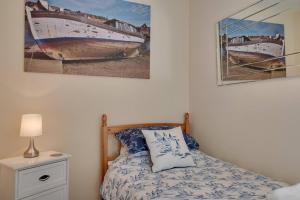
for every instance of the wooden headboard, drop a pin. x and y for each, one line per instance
(112, 130)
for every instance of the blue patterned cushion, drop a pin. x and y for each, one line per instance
(191, 142)
(135, 142)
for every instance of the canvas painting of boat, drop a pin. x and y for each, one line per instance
(91, 37)
(251, 50)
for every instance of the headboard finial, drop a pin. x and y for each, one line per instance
(187, 122)
(186, 116)
(104, 120)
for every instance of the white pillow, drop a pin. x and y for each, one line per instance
(286, 193)
(168, 149)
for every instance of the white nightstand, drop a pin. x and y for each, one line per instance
(42, 178)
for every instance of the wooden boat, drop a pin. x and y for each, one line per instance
(67, 35)
(261, 52)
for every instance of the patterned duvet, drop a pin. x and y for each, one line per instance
(129, 177)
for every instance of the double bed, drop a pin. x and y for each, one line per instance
(129, 176)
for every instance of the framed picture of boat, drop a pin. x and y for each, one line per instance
(260, 42)
(87, 37)
(250, 54)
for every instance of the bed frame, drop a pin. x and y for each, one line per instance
(112, 130)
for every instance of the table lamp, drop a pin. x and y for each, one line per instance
(31, 126)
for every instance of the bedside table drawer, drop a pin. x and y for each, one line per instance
(35, 180)
(60, 193)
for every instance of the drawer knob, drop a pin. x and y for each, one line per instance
(44, 177)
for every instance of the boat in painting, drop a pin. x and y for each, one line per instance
(257, 51)
(68, 35)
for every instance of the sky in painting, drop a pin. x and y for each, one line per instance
(252, 28)
(134, 13)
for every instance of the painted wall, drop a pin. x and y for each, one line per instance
(71, 105)
(255, 125)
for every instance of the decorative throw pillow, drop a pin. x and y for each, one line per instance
(191, 142)
(134, 139)
(168, 149)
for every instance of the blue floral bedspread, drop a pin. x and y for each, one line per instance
(130, 177)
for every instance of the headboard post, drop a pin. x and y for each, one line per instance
(104, 140)
(187, 123)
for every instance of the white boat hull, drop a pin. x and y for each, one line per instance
(67, 39)
(270, 49)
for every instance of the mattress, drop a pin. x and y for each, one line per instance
(129, 177)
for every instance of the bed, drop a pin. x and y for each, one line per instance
(129, 176)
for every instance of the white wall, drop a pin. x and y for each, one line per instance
(71, 105)
(255, 125)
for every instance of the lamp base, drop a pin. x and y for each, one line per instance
(31, 151)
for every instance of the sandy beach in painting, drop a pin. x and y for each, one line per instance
(136, 67)
(240, 71)
(251, 73)
(130, 68)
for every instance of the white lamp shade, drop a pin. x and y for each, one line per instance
(31, 125)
